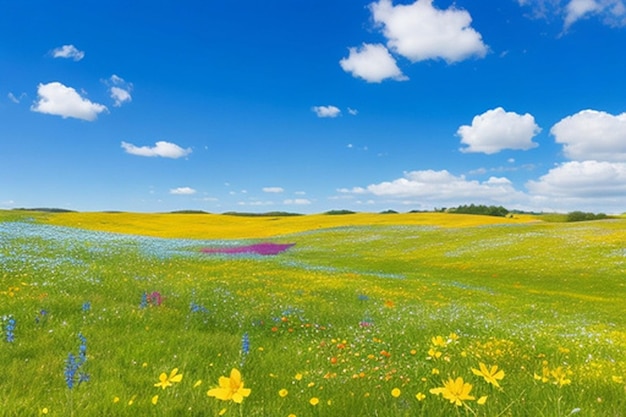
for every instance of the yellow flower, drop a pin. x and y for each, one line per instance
(230, 388)
(454, 390)
(433, 353)
(198, 383)
(482, 400)
(314, 401)
(420, 396)
(222, 412)
(116, 399)
(44, 410)
(439, 341)
(166, 381)
(283, 393)
(395, 393)
(298, 377)
(560, 376)
(491, 375)
(155, 399)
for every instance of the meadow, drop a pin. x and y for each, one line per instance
(424, 314)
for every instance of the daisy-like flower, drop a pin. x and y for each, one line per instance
(396, 392)
(230, 389)
(491, 375)
(455, 390)
(167, 381)
(283, 393)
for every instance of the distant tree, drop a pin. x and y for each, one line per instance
(481, 209)
(339, 212)
(579, 216)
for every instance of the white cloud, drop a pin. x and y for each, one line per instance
(68, 51)
(583, 183)
(273, 190)
(120, 96)
(498, 129)
(373, 63)
(353, 112)
(326, 111)
(610, 12)
(182, 191)
(161, 148)
(441, 187)
(419, 31)
(119, 90)
(57, 99)
(297, 202)
(591, 134)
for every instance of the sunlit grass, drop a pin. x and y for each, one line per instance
(370, 318)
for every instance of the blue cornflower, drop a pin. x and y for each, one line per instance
(144, 301)
(86, 306)
(71, 366)
(73, 372)
(9, 330)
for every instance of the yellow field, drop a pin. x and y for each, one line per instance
(211, 226)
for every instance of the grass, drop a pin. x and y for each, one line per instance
(350, 315)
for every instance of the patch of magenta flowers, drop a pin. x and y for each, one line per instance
(154, 299)
(265, 248)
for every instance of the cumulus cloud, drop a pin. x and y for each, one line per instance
(297, 202)
(119, 90)
(498, 129)
(440, 186)
(610, 12)
(68, 51)
(587, 180)
(182, 191)
(161, 148)
(276, 190)
(591, 134)
(419, 31)
(326, 111)
(57, 99)
(373, 63)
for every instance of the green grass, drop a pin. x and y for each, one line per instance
(345, 316)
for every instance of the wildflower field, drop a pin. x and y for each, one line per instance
(425, 314)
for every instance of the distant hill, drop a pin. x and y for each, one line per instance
(268, 214)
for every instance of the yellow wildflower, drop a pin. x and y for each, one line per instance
(454, 390)
(560, 376)
(395, 393)
(420, 396)
(230, 388)
(283, 393)
(314, 401)
(155, 399)
(491, 375)
(482, 400)
(439, 341)
(166, 381)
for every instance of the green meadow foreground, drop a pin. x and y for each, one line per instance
(366, 315)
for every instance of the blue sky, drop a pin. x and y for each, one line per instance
(312, 105)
